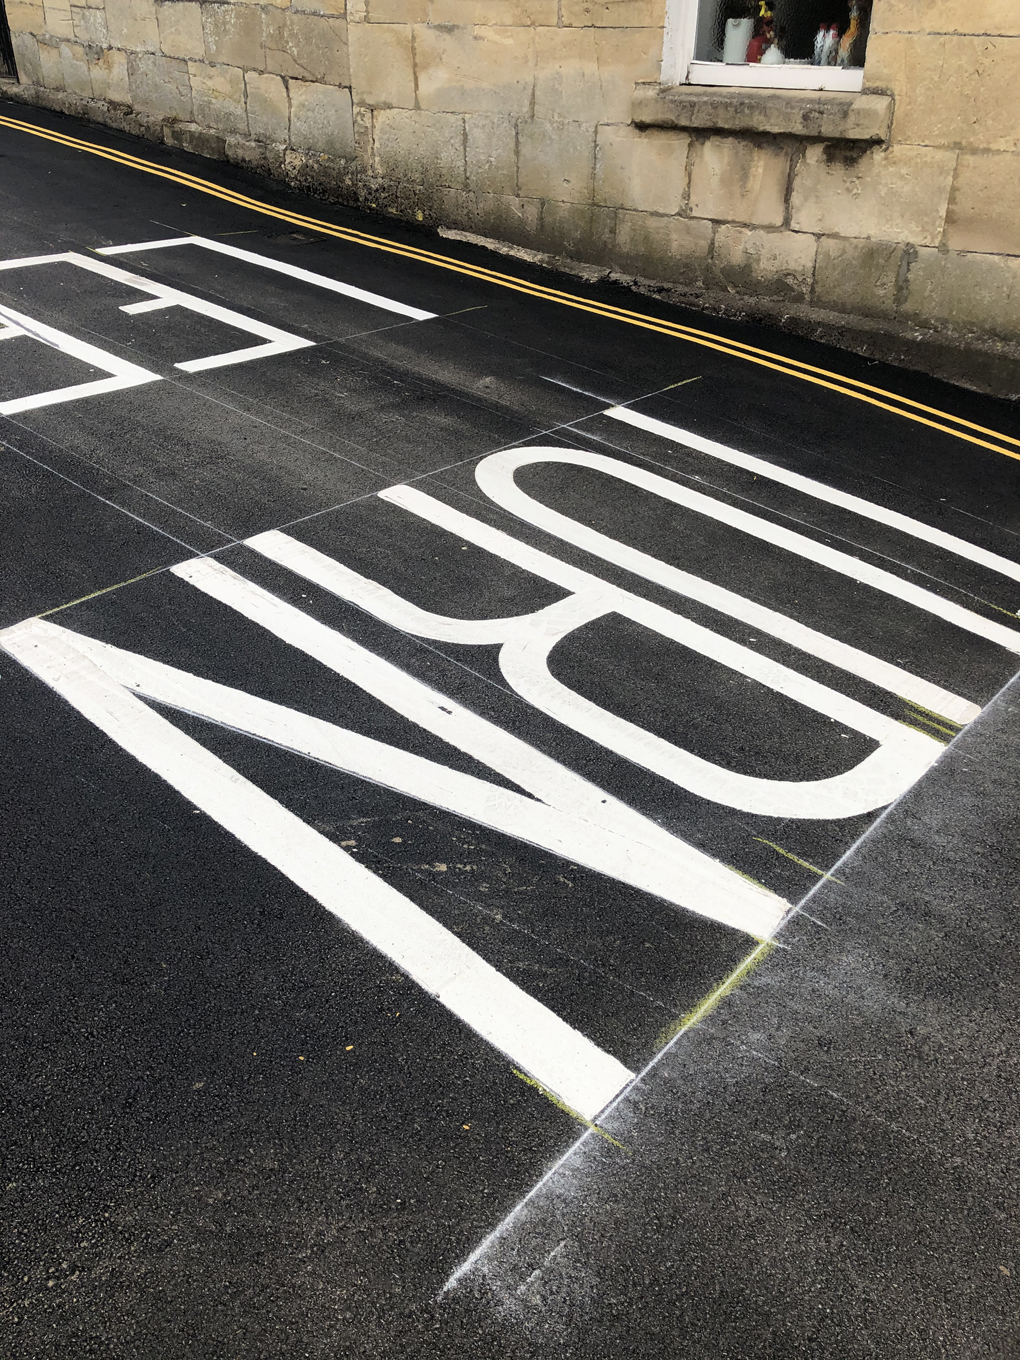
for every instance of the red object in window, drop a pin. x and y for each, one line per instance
(756, 47)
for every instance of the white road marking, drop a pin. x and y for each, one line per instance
(266, 262)
(123, 374)
(902, 757)
(495, 475)
(591, 827)
(938, 537)
(275, 340)
(556, 1055)
(882, 673)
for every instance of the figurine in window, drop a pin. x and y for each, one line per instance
(797, 22)
(764, 34)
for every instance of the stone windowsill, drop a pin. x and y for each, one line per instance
(829, 115)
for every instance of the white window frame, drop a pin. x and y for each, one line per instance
(679, 66)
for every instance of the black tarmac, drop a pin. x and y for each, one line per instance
(231, 1126)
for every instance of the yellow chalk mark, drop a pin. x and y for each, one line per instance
(104, 591)
(923, 731)
(740, 874)
(562, 1105)
(912, 703)
(737, 349)
(802, 862)
(704, 1008)
(939, 726)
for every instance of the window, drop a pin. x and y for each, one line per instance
(777, 44)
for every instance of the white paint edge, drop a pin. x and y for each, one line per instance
(819, 490)
(279, 267)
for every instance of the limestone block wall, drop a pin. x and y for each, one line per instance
(890, 222)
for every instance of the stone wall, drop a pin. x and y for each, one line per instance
(540, 123)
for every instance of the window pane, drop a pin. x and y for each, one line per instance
(800, 30)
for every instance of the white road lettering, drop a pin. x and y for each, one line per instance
(598, 830)
(275, 341)
(527, 640)
(122, 373)
(868, 509)
(279, 267)
(532, 1036)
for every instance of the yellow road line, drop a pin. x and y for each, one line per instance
(794, 368)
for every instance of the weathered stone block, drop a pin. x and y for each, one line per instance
(506, 217)
(624, 55)
(736, 180)
(557, 161)
(336, 8)
(75, 67)
(200, 140)
(391, 11)
(613, 13)
(899, 193)
(950, 91)
(674, 249)
(160, 85)
(578, 231)
(765, 263)
(491, 153)
(984, 210)
(268, 107)
(132, 25)
(110, 75)
(263, 157)
(58, 18)
(217, 94)
(967, 292)
(26, 16)
(830, 114)
(861, 278)
(419, 147)
(382, 66)
(307, 47)
(321, 119)
(526, 13)
(947, 16)
(233, 35)
(364, 136)
(51, 67)
(26, 54)
(480, 70)
(180, 29)
(90, 26)
(566, 75)
(645, 171)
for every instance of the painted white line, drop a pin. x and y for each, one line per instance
(151, 305)
(123, 373)
(495, 475)
(902, 757)
(591, 827)
(276, 340)
(879, 672)
(555, 1054)
(293, 271)
(819, 490)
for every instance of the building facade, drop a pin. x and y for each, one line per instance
(881, 211)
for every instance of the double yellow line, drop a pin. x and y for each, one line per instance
(916, 411)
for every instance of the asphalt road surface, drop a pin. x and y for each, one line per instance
(509, 834)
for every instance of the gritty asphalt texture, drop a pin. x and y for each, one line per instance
(231, 1127)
